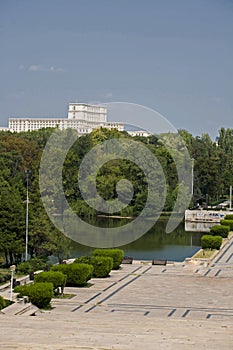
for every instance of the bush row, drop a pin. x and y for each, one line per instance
(211, 242)
(57, 278)
(102, 265)
(40, 294)
(226, 222)
(229, 217)
(77, 274)
(220, 230)
(116, 254)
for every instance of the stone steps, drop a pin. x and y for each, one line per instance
(20, 309)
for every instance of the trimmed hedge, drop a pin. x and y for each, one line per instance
(83, 260)
(77, 274)
(57, 278)
(229, 217)
(220, 230)
(40, 294)
(102, 264)
(227, 223)
(211, 242)
(116, 254)
(4, 302)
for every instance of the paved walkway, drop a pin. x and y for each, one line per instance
(180, 306)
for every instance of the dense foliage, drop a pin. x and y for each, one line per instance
(58, 279)
(213, 163)
(102, 265)
(4, 277)
(227, 223)
(229, 217)
(40, 294)
(220, 230)
(31, 265)
(116, 254)
(77, 274)
(211, 242)
(4, 302)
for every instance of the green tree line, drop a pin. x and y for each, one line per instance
(22, 151)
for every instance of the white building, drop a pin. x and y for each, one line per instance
(4, 128)
(139, 133)
(87, 113)
(81, 116)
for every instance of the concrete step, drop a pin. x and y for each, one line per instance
(20, 308)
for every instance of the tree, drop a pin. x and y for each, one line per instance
(12, 224)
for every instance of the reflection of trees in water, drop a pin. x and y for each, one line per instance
(156, 238)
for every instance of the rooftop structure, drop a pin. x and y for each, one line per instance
(81, 116)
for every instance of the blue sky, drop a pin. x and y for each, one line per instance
(174, 56)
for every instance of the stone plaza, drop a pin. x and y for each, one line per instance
(177, 306)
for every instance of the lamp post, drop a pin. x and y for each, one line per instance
(27, 172)
(12, 269)
(192, 160)
(230, 197)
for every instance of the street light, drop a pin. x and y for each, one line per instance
(12, 269)
(230, 196)
(192, 164)
(27, 173)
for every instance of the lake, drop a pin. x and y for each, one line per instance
(155, 244)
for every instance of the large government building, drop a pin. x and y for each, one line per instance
(81, 116)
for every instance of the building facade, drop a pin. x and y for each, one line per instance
(82, 117)
(143, 133)
(4, 128)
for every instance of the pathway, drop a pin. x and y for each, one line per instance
(178, 306)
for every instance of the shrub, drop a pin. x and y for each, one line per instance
(24, 268)
(227, 223)
(38, 264)
(216, 242)
(21, 290)
(57, 278)
(211, 242)
(34, 264)
(5, 277)
(2, 302)
(229, 217)
(220, 230)
(40, 294)
(77, 274)
(116, 254)
(102, 264)
(83, 260)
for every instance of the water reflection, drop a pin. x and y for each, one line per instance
(155, 244)
(198, 226)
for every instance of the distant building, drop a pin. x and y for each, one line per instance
(81, 116)
(4, 128)
(139, 133)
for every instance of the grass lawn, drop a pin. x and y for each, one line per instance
(4, 271)
(64, 296)
(204, 253)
